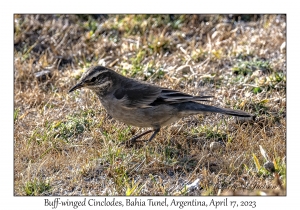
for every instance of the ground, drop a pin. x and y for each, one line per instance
(66, 144)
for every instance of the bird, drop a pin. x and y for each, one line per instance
(142, 104)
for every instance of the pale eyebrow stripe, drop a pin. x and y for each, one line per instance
(96, 74)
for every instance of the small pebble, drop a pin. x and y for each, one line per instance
(269, 166)
(42, 75)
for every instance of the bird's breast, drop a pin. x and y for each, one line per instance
(152, 116)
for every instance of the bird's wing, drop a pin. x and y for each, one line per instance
(137, 95)
(140, 95)
(168, 96)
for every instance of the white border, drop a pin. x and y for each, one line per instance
(8, 201)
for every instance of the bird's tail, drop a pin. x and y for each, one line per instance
(196, 108)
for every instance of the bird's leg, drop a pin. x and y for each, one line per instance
(133, 140)
(154, 134)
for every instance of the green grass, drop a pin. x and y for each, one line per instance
(245, 67)
(36, 187)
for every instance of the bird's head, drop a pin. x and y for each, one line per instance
(97, 78)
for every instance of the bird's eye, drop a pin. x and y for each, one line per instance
(93, 80)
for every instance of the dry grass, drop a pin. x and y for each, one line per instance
(65, 144)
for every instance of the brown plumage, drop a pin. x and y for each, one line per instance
(142, 104)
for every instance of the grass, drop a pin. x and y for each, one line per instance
(36, 187)
(66, 144)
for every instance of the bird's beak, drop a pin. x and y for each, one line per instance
(77, 86)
